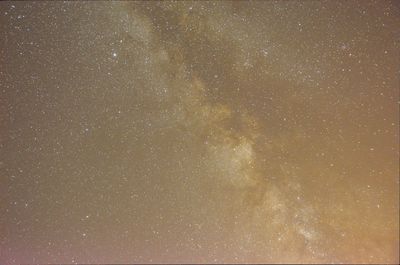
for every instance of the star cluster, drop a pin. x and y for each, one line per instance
(199, 132)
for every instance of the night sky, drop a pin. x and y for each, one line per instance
(199, 132)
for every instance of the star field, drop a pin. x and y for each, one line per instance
(199, 132)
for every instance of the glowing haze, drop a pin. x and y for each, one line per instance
(199, 132)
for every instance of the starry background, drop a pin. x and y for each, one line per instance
(195, 132)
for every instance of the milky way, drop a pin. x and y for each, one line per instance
(199, 132)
